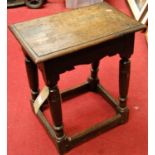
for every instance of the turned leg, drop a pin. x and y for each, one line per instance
(124, 75)
(93, 79)
(54, 100)
(32, 75)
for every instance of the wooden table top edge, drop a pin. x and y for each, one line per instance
(38, 59)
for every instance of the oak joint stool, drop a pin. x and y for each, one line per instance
(57, 43)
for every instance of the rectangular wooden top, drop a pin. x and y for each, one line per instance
(56, 35)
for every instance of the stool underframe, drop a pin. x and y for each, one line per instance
(51, 70)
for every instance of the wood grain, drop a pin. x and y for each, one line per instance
(56, 35)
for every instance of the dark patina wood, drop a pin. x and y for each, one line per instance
(32, 73)
(93, 79)
(57, 43)
(124, 75)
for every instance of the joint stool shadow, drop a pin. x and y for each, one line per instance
(56, 43)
